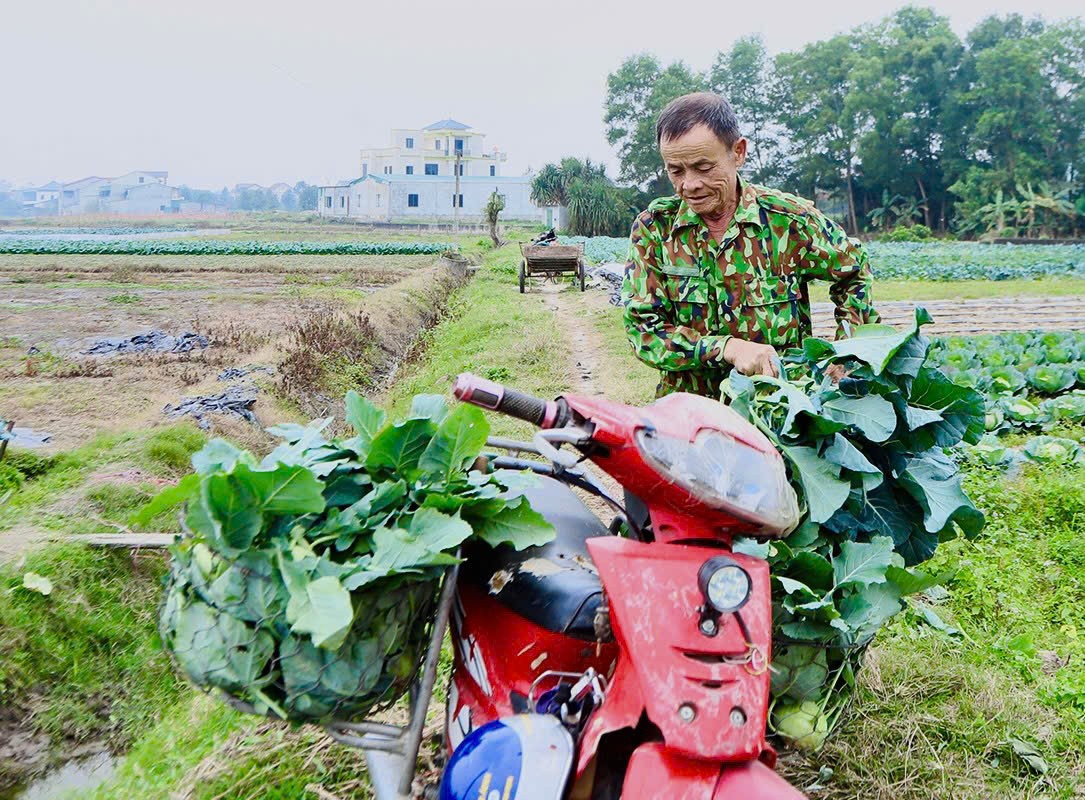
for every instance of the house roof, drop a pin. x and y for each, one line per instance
(447, 125)
(446, 179)
(86, 179)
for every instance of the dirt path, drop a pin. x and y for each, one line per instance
(586, 345)
(585, 341)
(970, 317)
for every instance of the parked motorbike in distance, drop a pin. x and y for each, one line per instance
(603, 666)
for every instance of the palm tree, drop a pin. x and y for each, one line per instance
(595, 205)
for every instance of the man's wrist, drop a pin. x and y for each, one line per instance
(710, 349)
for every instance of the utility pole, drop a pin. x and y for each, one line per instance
(456, 193)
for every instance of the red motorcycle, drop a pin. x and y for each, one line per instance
(603, 666)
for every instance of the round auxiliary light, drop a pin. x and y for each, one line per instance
(724, 584)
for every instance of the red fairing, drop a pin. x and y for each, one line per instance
(675, 513)
(498, 652)
(653, 767)
(668, 666)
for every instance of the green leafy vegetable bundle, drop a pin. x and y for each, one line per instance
(867, 456)
(307, 581)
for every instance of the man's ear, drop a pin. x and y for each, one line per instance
(739, 149)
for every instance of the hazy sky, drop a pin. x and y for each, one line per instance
(222, 91)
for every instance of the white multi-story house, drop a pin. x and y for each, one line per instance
(434, 150)
(137, 192)
(415, 179)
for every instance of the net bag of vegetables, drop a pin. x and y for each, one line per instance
(306, 581)
(869, 454)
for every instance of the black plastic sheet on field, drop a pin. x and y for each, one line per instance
(237, 400)
(150, 342)
(608, 277)
(237, 373)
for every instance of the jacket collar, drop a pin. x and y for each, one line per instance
(748, 212)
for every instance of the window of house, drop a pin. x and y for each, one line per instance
(343, 201)
(410, 143)
(412, 201)
(431, 169)
(387, 170)
(493, 170)
(378, 200)
(410, 170)
(459, 169)
(454, 203)
(365, 169)
(459, 145)
(141, 179)
(328, 202)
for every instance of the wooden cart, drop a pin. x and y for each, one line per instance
(550, 261)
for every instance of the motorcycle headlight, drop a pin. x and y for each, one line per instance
(724, 584)
(726, 474)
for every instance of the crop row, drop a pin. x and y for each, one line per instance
(934, 261)
(1028, 378)
(198, 247)
(99, 231)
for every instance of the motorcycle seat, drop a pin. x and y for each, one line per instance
(554, 585)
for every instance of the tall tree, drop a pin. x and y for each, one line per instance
(745, 76)
(910, 63)
(818, 109)
(636, 92)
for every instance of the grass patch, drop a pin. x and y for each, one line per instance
(170, 449)
(125, 298)
(84, 662)
(493, 330)
(885, 291)
(55, 501)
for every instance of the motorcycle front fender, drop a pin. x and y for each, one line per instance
(656, 772)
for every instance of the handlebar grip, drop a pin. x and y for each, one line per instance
(496, 397)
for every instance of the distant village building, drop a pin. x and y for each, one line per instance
(414, 179)
(138, 192)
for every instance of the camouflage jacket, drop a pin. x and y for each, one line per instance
(685, 294)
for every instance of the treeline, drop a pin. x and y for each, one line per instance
(893, 123)
(301, 197)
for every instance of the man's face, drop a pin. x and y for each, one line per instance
(703, 169)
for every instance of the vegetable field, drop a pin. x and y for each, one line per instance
(924, 261)
(215, 248)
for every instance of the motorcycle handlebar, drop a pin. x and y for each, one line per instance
(496, 397)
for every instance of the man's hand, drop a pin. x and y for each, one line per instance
(836, 372)
(751, 358)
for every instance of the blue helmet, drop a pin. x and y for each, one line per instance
(526, 757)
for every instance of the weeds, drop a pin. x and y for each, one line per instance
(236, 336)
(46, 364)
(327, 349)
(125, 298)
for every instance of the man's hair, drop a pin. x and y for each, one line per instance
(700, 108)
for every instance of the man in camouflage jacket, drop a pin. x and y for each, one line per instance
(719, 272)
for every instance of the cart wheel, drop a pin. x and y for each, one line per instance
(523, 268)
(582, 276)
